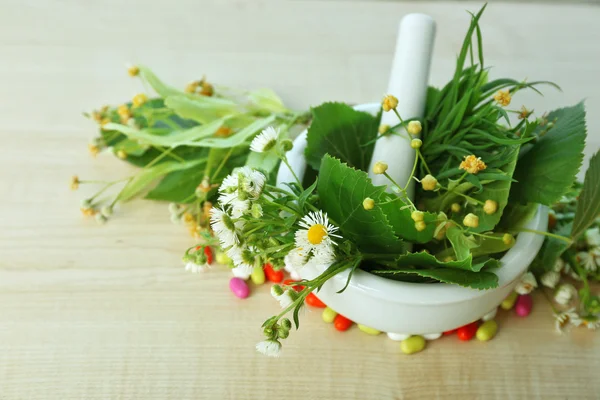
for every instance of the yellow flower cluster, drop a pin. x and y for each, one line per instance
(472, 164)
(503, 97)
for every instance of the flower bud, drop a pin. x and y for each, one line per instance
(380, 167)
(508, 239)
(368, 203)
(106, 211)
(139, 99)
(201, 258)
(133, 70)
(420, 226)
(256, 211)
(429, 182)
(414, 127)
(287, 145)
(416, 143)
(389, 102)
(268, 331)
(276, 290)
(455, 207)
(86, 203)
(471, 220)
(383, 128)
(101, 219)
(417, 216)
(283, 333)
(550, 279)
(490, 207)
(286, 323)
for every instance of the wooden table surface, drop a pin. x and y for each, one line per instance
(107, 312)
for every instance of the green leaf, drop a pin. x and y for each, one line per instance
(426, 260)
(159, 87)
(548, 170)
(475, 280)
(203, 109)
(238, 138)
(342, 132)
(461, 243)
(148, 175)
(267, 100)
(130, 147)
(588, 203)
(178, 186)
(497, 191)
(402, 223)
(341, 192)
(515, 216)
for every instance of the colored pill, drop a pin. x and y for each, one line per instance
(524, 305)
(258, 275)
(490, 315)
(432, 336)
(313, 301)
(328, 315)
(222, 258)
(341, 323)
(487, 330)
(368, 330)
(273, 275)
(467, 332)
(450, 332)
(397, 336)
(413, 344)
(510, 301)
(239, 288)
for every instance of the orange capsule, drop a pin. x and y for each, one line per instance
(313, 301)
(341, 323)
(272, 275)
(467, 332)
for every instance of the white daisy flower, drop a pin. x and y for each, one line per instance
(587, 261)
(284, 297)
(243, 259)
(550, 279)
(229, 184)
(294, 260)
(565, 293)
(270, 348)
(591, 322)
(559, 265)
(243, 271)
(316, 234)
(265, 140)
(253, 181)
(224, 227)
(238, 207)
(592, 237)
(195, 268)
(562, 319)
(526, 284)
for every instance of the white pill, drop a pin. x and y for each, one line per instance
(490, 315)
(398, 336)
(432, 336)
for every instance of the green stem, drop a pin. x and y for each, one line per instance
(285, 161)
(412, 173)
(424, 163)
(552, 235)
(221, 165)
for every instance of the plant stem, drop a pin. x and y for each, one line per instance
(285, 161)
(424, 163)
(221, 165)
(552, 235)
(412, 173)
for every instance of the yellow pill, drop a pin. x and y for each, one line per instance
(328, 315)
(413, 344)
(258, 275)
(510, 301)
(367, 330)
(487, 330)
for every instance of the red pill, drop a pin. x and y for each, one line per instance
(290, 282)
(341, 323)
(272, 275)
(524, 305)
(467, 332)
(450, 332)
(313, 301)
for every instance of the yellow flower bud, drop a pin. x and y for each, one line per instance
(122, 154)
(368, 203)
(417, 216)
(139, 99)
(471, 220)
(420, 226)
(429, 182)
(508, 239)
(416, 143)
(414, 127)
(133, 70)
(490, 207)
(383, 128)
(191, 87)
(389, 102)
(455, 207)
(380, 167)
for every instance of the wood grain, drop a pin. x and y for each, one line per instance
(106, 312)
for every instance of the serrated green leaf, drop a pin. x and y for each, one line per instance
(404, 227)
(426, 260)
(202, 109)
(148, 175)
(341, 192)
(588, 203)
(342, 132)
(548, 170)
(475, 280)
(461, 243)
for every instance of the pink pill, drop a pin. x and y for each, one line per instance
(524, 305)
(239, 288)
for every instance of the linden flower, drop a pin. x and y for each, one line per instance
(526, 284)
(93, 149)
(389, 102)
(264, 141)
(139, 99)
(225, 229)
(316, 235)
(490, 207)
(414, 127)
(562, 319)
(379, 168)
(503, 97)
(429, 182)
(270, 348)
(472, 164)
(74, 182)
(368, 203)
(416, 143)
(471, 220)
(133, 70)
(525, 113)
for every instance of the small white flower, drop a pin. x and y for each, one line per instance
(242, 271)
(592, 237)
(591, 322)
(550, 279)
(265, 140)
(294, 260)
(526, 284)
(243, 259)
(559, 265)
(225, 228)
(587, 261)
(195, 268)
(285, 297)
(316, 234)
(595, 252)
(270, 348)
(245, 179)
(565, 293)
(238, 207)
(561, 319)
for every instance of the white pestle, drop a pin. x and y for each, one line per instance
(408, 82)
